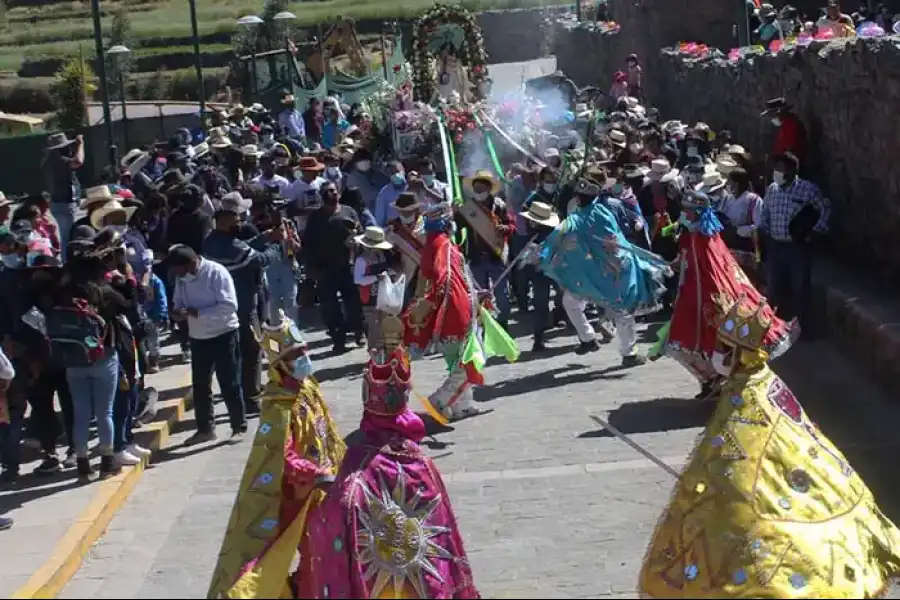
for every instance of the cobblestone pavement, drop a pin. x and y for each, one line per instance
(549, 506)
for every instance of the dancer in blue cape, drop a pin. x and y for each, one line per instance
(588, 255)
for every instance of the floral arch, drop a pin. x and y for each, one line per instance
(446, 24)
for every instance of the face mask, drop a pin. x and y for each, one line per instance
(12, 261)
(428, 179)
(398, 179)
(778, 177)
(189, 277)
(776, 122)
(302, 368)
(333, 173)
(718, 363)
(364, 165)
(120, 229)
(407, 219)
(267, 139)
(550, 188)
(480, 196)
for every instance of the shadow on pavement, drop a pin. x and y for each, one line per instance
(350, 371)
(660, 414)
(543, 380)
(29, 488)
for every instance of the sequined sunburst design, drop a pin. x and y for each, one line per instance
(396, 542)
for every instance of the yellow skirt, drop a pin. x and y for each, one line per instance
(767, 507)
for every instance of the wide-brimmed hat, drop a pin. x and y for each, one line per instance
(661, 171)
(725, 164)
(633, 171)
(251, 150)
(712, 182)
(585, 187)
(736, 150)
(201, 149)
(135, 160)
(218, 138)
(406, 202)
(542, 213)
(696, 199)
(373, 237)
(237, 109)
(97, 195)
(288, 99)
(773, 105)
(618, 138)
(233, 202)
(58, 140)
(257, 108)
(484, 176)
(310, 163)
(111, 207)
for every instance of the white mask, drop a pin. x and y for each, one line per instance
(776, 122)
(407, 219)
(189, 277)
(12, 261)
(718, 363)
(364, 165)
(778, 177)
(333, 173)
(120, 229)
(480, 196)
(550, 188)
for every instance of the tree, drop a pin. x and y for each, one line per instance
(73, 84)
(118, 66)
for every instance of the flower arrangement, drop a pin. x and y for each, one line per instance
(693, 49)
(460, 120)
(472, 53)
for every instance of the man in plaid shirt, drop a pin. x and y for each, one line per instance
(789, 259)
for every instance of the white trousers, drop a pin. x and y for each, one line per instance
(626, 328)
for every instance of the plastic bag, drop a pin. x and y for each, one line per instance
(390, 294)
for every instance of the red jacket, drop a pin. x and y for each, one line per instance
(791, 137)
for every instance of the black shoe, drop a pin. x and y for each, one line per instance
(237, 437)
(539, 345)
(360, 339)
(633, 360)
(9, 476)
(48, 466)
(201, 437)
(109, 467)
(587, 347)
(707, 391)
(340, 348)
(5, 523)
(85, 471)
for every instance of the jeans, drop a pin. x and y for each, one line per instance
(541, 286)
(342, 315)
(221, 353)
(124, 409)
(282, 291)
(251, 369)
(11, 438)
(93, 394)
(520, 278)
(43, 414)
(487, 274)
(789, 278)
(64, 214)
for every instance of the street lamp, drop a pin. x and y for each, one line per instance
(285, 16)
(252, 22)
(198, 60)
(101, 67)
(119, 53)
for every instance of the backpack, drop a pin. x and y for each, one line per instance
(76, 334)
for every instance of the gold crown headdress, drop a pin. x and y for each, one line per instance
(742, 325)
(277, 340)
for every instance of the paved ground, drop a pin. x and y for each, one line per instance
(549, 506)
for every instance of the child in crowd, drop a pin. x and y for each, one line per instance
(157, 309)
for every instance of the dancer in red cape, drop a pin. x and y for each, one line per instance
(710, 274)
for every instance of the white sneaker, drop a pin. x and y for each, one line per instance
(138, 451)
(126, 458)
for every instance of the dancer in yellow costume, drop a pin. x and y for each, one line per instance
(295, 455)
(767, 507)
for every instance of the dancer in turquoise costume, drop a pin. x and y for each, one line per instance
(588, 255)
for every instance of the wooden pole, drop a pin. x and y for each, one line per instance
(322, 54)
(384, 66)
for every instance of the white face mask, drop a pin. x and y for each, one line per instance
(776, 122)
(364, 165)
(718, 363)
(189, 277)
(480, 196)
(778, 177)
(550, 188)
(407, 219)
(120, 229)
(333, 173)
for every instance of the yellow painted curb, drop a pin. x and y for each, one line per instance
(49, 580)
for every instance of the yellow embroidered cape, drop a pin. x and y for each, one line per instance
(767, 507)
(257, 552)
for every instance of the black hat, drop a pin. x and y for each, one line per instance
(774, 105)
(586, 187)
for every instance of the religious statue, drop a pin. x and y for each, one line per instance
(451, 75)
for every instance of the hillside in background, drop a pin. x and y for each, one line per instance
(38, 36)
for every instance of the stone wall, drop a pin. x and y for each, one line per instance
(518, 35)
(845, 93)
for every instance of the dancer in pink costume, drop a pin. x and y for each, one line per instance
(386, 528)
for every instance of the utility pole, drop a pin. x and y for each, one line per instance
(101, 73)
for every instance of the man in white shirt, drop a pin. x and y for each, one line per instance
(268, 177)
(206, 297)
(303, 194)
(434, 190)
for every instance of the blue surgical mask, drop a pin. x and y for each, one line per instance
(398, 179)
(302, 368)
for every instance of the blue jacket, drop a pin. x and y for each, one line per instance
(244, 262)
(157, 306)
